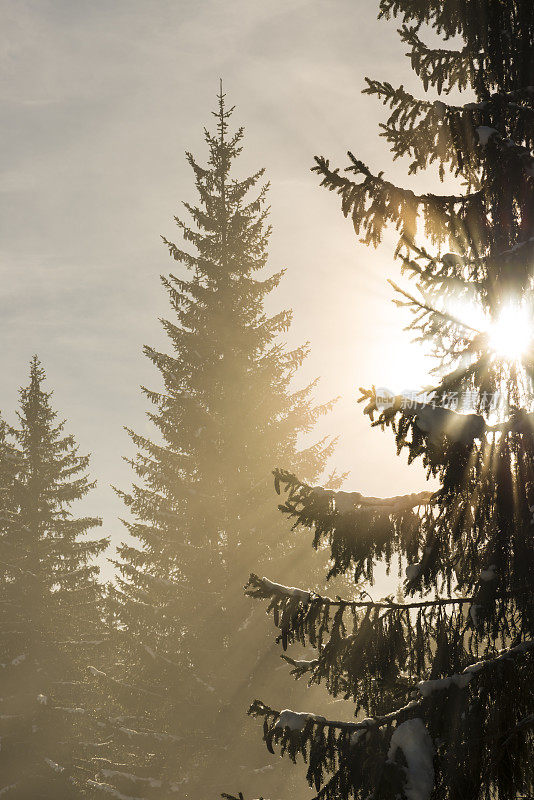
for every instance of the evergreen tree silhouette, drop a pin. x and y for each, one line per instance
(442, 682)
(51, 605)
(202, 506)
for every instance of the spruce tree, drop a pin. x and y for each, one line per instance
(51, 606)
(202, 506)
(442, 678)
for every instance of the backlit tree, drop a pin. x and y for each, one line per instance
(202, 507)
(441, 678)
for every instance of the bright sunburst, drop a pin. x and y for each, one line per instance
(510, 334)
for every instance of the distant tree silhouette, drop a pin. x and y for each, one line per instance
(51, 606)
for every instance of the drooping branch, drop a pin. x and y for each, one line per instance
(359, 529)
(300, 731)
(374, 203)
(431, 132)
(425, 690)
(366, 649)
(410, 106)
(441, 68)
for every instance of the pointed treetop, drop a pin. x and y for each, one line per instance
(33, 396)
(37, 373)
(222, 114)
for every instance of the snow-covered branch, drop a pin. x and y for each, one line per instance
(299, 721)
(295, 721)
(345, 502)
(359, 529)
(462, 679)
(264, 588)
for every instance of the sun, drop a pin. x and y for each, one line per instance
(510, 333)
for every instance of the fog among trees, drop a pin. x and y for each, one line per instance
(267, 626)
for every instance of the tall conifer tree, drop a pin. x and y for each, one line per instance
(202, 507)
(51, 606)
(442, 681)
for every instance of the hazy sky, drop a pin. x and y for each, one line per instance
(100, 99)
